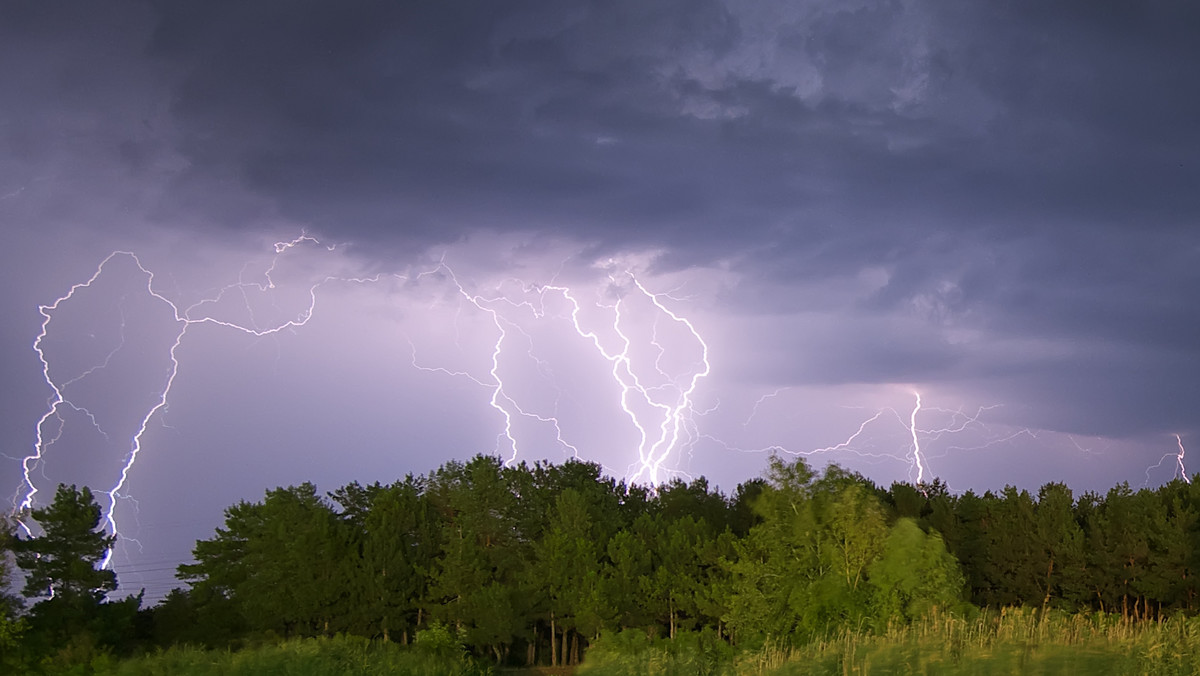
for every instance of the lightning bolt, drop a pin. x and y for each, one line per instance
(661, 412)
(759, 402)
(184, 319)
(500, 400)
(864, 443)
(1179, 459)
(1180, 469)
(657, 401)
(648, 352)
(670, 427)
(916, 441)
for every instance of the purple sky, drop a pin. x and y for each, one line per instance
(848, 202)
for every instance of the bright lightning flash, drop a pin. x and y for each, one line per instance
(184, 318)
(869, 442)
(1179, 459)
(652, 360)
(656, 398)
(659, 402)
(1180, 469)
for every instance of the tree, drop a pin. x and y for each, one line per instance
(11, 628)
(629, 561)
(279, 561)
(396, 539)
(775, 563)
(1061, 555)
(1119, 548)
(483, 554)
(914, 575)
(566, 565)
(62, 570)
(1013, 571)
(800, 571)
(671, 590)
(63, 563)
(9, 603)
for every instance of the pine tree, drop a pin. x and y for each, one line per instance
(9, 603)
(63, 562)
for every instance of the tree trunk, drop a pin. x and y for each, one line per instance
(563, 652)
(1049, 572)
(553, 645)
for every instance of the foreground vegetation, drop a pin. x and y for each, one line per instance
(299, 657)
(797, 572)
(1013, 641)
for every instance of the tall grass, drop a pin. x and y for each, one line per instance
(632, 653)
(341, 655)
(1011, 641)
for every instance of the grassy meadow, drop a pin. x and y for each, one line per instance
(300, 657)
(1012, 641)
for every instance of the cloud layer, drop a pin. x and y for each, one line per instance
(991, 204)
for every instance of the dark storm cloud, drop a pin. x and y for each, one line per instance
(689, 121)
(992, 203)
(1025, 170)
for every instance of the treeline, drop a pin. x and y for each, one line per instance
(1133, 553)
(529, 564)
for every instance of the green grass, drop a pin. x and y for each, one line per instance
(341, 655)
(1009, 642)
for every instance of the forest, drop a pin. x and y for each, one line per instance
(548, 564)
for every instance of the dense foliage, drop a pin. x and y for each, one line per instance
(533, 564)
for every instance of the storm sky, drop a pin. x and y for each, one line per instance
(828, 206)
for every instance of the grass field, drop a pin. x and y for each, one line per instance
(1009, 642)
(342, 655)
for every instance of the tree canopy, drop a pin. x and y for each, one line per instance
(530, 564)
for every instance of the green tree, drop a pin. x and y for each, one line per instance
(279, 561)
(62, 570)
(670, 591)
(1060, 546)
(628, 562)
(914, 575)
(566, 567)
(63, 563)
(1013, 570)
(802, 571)
(10, 604)
(857, 529)
(742, 516)
(1119, 549)
(11, 628)
(181, 618)
(1176, 521)
(395, 535)
(788, 578)
(678, 499)
(484, 552)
